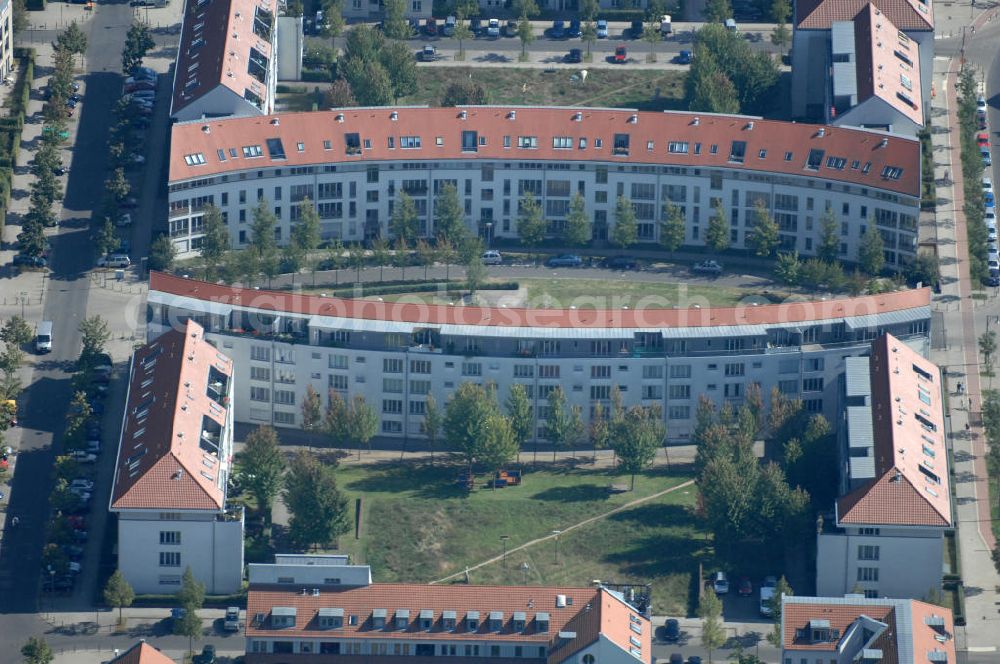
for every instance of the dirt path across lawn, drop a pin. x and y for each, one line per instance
(575, 526)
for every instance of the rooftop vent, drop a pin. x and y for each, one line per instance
(561, 601)
(394, 116)
(578, 117)
(206, 129)
(884, 143)
(340, 117)
(750, 126)
(177, 475)
(633, 119)
(462, 115)
(512, 115)
(315, 592)
(822, 132)
(275, 121)
(696, 121)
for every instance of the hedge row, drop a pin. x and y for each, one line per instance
(423, 288)
(11, 126)
(317, 76)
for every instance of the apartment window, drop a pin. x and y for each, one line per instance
(392, 426)
(392, 365)
(420, 387)
(337, 362)
(170, 537)
(652, 372)
(600, 391)
(868, 574)
(170, 558)
(788, 386)
(285, 397)
(814, 364)
(260, 353)
(259, 394)
(680, 370)
(524, 370)
(260, 373)
(420, 366)
(529, 142)
(562, 142)
(548, 371)
(338, 382)
(392, 406)
(679, 392)
(600, 371)
(868, 552)
(812, 385)
(677, 147)
(872, 532)
(679, 412)
(652, 391)
(735, 369)
(392, 385)
(472, 369)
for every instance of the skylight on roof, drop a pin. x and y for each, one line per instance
(196, 159)
(275, 148)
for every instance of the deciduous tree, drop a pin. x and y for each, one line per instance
(470, 406)
(261, 465)
(404, 222)
(395, 25)
(526, 34)
(626, 230)
(560, 428)
(138, 42)
(871, 253)
(519, 410)
(399, 64)
(312, 411)
(530, 222)
(764, 238)
(449, 216)
(828, 248)
(362, 423)
(433, 420)
(635, 437)
(118, 592)
(465, 92)
(16, 331)
(718, 11)
(498, 444)
(95, 335)
(37, 651)
(319, 512)
(162, 253)
(718, 236)
(577, 231)
(710, 611)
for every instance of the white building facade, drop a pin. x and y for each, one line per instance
(173, 465)
(395, 356)
(354, 163)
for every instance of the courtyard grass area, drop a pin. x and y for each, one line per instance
(621, 291)
(418, 525)
(647, 90)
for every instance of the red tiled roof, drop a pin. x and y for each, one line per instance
(544, 318)
(142, 653)
(820, 14)
(931, 628)
(161, 464)
(841, 616)
(361, 601)
(214, 49)
(493, 124)
(880, 71)
(908, 454)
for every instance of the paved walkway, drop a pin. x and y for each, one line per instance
(959, 360)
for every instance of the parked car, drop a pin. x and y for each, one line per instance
(144, 72)
(744, 587)
(671, 630)
(621, 263)
(492, 257)
(493, 28)
(558, 30)
(685, 57)
(574, 56)
(707, 267)
(449, 26)
(124, 220)
(232, 620)
(720, 583)
(994, 278)
(989, 200)
(621, 54)
(565, 260)
(114, 260)
(987, 182)
(980, 103)
(574, 30)
(987, 159)
(694, 659)
(510, 30)
(634, 30)
(983, 140)
(675, 658)
(476, 26)
(427, 54)
(602, 29)
(82, 457)
(207, 655)
(85, 484)
(430, 27)
(24, 260)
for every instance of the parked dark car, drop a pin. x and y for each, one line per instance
(684, 58)
(573, 31)
(207, 655)
(671, 630)
(29, 261)
(574, 56)
(476, 26)
(427, 54)
(565, 260)
(676, 658)
(635, 30)
(621, 263)
(558, 30)
(621, 55)
(431, 28)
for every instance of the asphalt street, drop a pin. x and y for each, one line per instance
(47, 397)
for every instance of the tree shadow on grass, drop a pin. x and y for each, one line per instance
(574, 494)
(426, 481)
(668, 552)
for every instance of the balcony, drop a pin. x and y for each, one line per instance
(218, 387)
(282, 337)
(425, 348)
(232, 514)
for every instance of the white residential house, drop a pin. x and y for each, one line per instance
(174, 461)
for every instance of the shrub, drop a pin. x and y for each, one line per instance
(317, 75)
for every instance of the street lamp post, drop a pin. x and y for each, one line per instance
(24, 299)
(524, 572)
(504, 538)
(557, 533)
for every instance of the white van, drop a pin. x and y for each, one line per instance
(43, 337)
(766, 594)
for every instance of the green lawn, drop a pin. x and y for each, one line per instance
(643, 89)
(620, 291)
(419, 525)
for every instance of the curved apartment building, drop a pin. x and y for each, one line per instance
(396, 354)
(353, 163)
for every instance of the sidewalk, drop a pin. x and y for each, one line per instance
(959, 362)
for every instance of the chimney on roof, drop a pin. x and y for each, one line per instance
(696, 121)
(578, 117)
(206, 129)
(275, 121)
